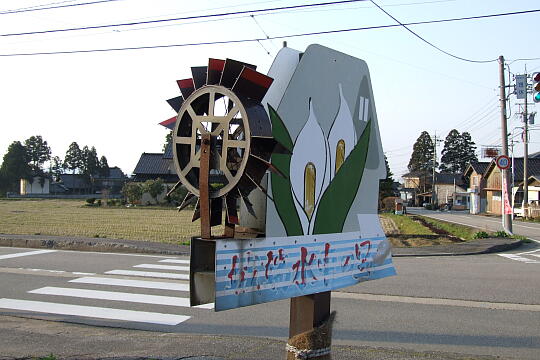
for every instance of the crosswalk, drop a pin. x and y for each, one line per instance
(528, 257)
(115, 290)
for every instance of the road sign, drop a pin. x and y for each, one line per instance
(503, 162)
(521, 86)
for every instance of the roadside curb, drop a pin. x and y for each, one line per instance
(468, 248)
(474, 247)
(92, 244)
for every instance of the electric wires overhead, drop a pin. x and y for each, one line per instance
(247, 40)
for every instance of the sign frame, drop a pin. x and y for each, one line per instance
(500, 162)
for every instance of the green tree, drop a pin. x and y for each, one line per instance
(57, 167)
(132, 192)
(104, 170)
(38, 152)
(458, 152)
(154, 188)
(168, 140)
(450, 159)
(422, 155)
(14, 167)
(73, 159)
(90, 165)
(468, 150)
(386, 185)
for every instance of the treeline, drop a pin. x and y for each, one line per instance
(458, 152)
(30, 158)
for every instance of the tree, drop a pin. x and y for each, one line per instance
(73, 160)
(168, 140)
(468, 149)
(14, 167)
(154, 188)
(90, 162)
(132, 192)
(57, 167)
(458, 152)
(38, 152)
(386, 185)
(104, 170)
(450, 161)
(422, 155)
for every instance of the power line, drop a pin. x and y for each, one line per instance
(272, 37)
(184, 18)
(38, 8)
(429, 43)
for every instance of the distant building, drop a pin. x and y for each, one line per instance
(36, 185)
(475, 173)
(153, 166)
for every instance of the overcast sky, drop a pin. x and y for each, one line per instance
(114, 100)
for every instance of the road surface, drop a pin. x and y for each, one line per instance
(482, 305)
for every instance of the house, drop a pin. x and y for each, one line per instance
(78, 184)
(112, 182)
(416, 188)
(517, 180)
(35, 185)
(451, 189)
(476, 183)
(493, 184)
(152, 166)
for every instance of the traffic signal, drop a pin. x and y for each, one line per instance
(536, 87)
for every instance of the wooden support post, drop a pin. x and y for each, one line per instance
(308, 312)
(204, 189)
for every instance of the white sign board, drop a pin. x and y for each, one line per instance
(521, 86)
(256, 271)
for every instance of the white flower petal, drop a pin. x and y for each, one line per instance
(342, 129)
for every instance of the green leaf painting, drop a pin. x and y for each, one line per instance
(337, 198)
(336, 201)
(281, 186)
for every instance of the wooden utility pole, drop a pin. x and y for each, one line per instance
(507, 218)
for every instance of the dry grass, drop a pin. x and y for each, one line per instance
(73, 218)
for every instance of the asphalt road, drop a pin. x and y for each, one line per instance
(528, 229)
(481, 305)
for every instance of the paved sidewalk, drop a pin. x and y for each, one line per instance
(31, 339)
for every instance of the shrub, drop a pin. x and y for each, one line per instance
(480, 235)
(91, 201)
(154, 188)
(98, 203)
(132, 192)
(500, 234)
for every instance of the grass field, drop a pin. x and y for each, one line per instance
(406, 225)
(73, 218)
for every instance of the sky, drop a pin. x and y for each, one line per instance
(114, 100)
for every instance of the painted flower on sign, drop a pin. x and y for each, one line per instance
(323, 173)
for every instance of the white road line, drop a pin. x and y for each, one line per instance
(113, 296)
(148, 274)
(132, 283)
(162, 267)
(435, 301)
(26, 253)
(92, 311)
(519, 258)
(175, 261)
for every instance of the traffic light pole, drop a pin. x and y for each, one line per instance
(506, 218)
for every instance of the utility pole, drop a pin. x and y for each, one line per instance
(507, 218)
(434, 162)
(525, 154)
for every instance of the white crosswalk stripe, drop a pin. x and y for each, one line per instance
(163, 267)
(92, 311)
(528, 257)
(130, 291)
(131, 283)
(149, 274)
